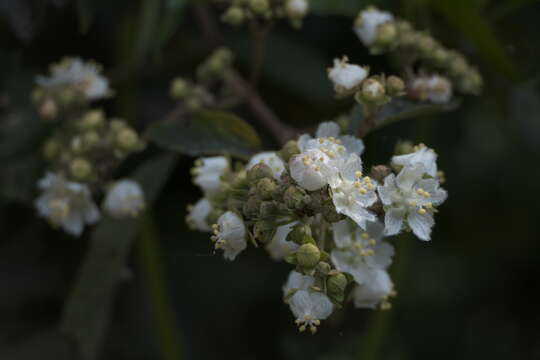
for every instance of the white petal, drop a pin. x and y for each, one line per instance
(409, 175)
(421, 224)
(352, 144)
(389, 190)
(328, 129)
(342, 232)
(271, 159)
(198, 214)
(393, 221)
(371, 293)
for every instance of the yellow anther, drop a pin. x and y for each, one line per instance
(429, 205)
(370, 252)
(422, 211)
(362, 191)
(357, 185)
(412, 203)
(372, 242)
(317, 322)
(317, 168)
(370, 186)
(321, 141)
(365, 236)
(420, 191)
(426, 194)
(358, 174)
(367, 179)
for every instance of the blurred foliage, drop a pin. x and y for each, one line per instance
(468, 294)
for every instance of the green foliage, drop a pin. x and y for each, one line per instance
(87, 311)
(205, 133)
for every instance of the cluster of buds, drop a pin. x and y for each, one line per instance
(381, 33)
(351, 79)
(311, 205)
(241, 11)
(83, 151)
(198, 94)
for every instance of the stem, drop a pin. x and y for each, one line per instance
(149, 255)
(368, 120)
(258, 45)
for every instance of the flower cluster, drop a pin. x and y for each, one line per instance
(84, 149)
(312, 205)
(241, 11)
(381, 32)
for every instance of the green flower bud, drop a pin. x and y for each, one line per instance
(266, 188)
(48, 109)
(268, 210)
(295, 197)
(386, 33)
(193, 104)
(252, 207)
(264, 230)
(180, 88)
(51, 149)
(458, 65)
(224, 55)
(471, 83)
(395, 86)
(66, 96)
(80, 168)
(92, 120)
(234, 15)
(301, 234)
(91, 139)
(323, 268)
(308, 255)
(289, 150)
(76, 145)
(426, 45)
(441, 55)
(259, 6)
(117, 125)
(336, 286)
(127, 139)
(372, 91)
(403, 148)
(259, 171)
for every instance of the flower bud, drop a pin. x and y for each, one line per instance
(289, 150)
(301, 234)
(296, 9)
(458, 65)
(373, 91)
(234, 15)
(266, 188)
(323, 268)
(179, 88)
(259, 171)
(193, 104)
(308, 255)
(117, 125)
(48, 109)
(263, 230)
(76, 145)
(471, 83)
(404, 147)
(440, 56)
(80, 168)
(127, 139)
(92, 120)
(336, 286)
(90, 139)
(426, 45)
(51, 149)
(386, 34)
(295, 198)
(66, 96)
(259, 6)
(251, 207)
(395, 86)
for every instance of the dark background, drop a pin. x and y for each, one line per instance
(471, 293)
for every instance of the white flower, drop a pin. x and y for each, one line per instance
(307, 305)
(271, 159)
(352, 194)
(368, 21)
(376, 290)
(208, 172)
(198, 213)
(410, 197)
(83, 77)
(346, 77)
(66, 204)
(421, 155)
(321, 158)
(125, 198)
(279, 247)
(296, 8)
(360, 252)
(230, 235)
(436, 89)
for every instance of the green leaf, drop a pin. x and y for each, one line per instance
(401, 109)
(169, 22)
(88, 308)
(339, 7)
(206, 132)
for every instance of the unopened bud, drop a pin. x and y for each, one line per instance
(80, 168)
(263, 230)
(395, 86)
(336, 286)
(90, 139)
(92, 120)
(372, 91)
(426, 45)
(127, 139)
(301, 234)
(289, 150)
(266, 188)
(179, 88)
(458, 65)
(193, 104)
(259, 6)
(295, 197)
(117, 125)
(471, 83)
(404, 147)
(251, 207)
(66, 96)
(234, 15)
(386, 33)
(259, 171)
(296, 9)
(440, 55)
(48, 109)
(77, 145)
(51, 149)
(323, 268)
(308, 255)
